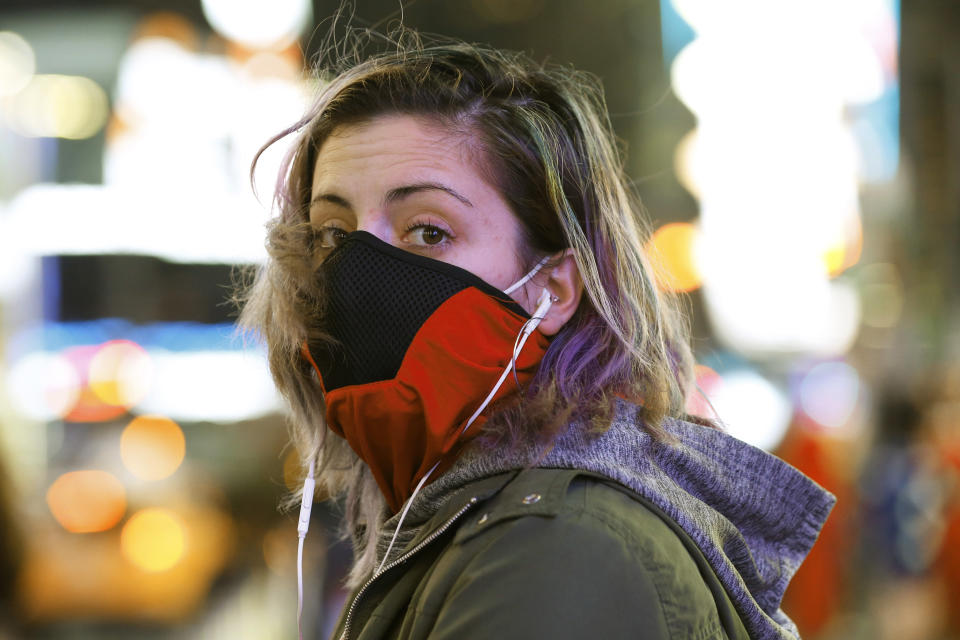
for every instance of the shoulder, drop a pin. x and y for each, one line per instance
(563, 502)
(573, 540)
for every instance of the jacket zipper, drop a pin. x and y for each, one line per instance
(433, 536)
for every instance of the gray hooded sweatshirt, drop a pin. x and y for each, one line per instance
(753, 516)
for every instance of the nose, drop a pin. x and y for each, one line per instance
(376, 222)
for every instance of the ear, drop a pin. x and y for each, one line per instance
(565, 285)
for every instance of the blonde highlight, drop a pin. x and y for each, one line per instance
(547, 143)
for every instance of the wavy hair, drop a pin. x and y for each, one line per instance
(544, 139)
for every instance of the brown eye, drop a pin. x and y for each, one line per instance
(431, 235)
(426, 235)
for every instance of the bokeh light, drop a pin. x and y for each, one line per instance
(752, 408)
(87, 501)
(89, 407)
(829, 393)
(195, 385)
(259, 25)
(120, 373)
(152, 447)
(17, 63)
(169, 25)
(845, 249)
(43, 386)
(58, 106)
(687, 163)
(672, 251)
(280, 549)
(775, 164)
(153, 539)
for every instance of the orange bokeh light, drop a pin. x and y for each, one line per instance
(153, 539)
(671, 250)
(120, 373)
(152, 447)
(169, 25)
(87, 501)
(88, 406)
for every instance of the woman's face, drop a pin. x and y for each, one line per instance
(414, 185)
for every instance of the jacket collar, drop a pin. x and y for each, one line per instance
(753, 516)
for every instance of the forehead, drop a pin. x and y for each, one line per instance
(396, 145)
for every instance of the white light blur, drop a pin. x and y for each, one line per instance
(175, 107)
(163, 86)
(272, 96)
(215, 386)
(206, 227)
(751, 408)
(257, 24)
(189, 125)
(766, 295)
(829, 393)
(43, 386)
(775, 166)
(17, 63)
(18, 269)
(57, 106)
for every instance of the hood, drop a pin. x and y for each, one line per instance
(752, 515)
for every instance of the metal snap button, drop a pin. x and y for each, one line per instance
(483, 519)
(532, 498)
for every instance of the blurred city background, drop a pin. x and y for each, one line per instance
(799, 160)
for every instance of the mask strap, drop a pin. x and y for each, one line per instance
(525, 279)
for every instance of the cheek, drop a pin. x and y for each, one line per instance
(497, 263)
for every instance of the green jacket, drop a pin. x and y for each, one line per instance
(545, 553)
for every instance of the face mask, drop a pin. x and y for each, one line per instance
(422, 347)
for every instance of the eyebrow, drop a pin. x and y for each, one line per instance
(398, 193)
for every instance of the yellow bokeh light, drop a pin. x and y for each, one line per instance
(152, 447)
(120, 373)
(57, 106)
(17, 63)
(671, 250)
(87, 501)
(845, 251)
(685, 163)
(153, 539)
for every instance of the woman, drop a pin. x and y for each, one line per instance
(476, 356)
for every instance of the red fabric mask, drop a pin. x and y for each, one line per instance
(420, 344)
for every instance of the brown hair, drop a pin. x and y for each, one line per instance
(546, 143)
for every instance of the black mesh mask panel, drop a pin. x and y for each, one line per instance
(377, 298)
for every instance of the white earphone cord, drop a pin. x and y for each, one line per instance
(303, 524)
(525, 331)
(306, 502)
